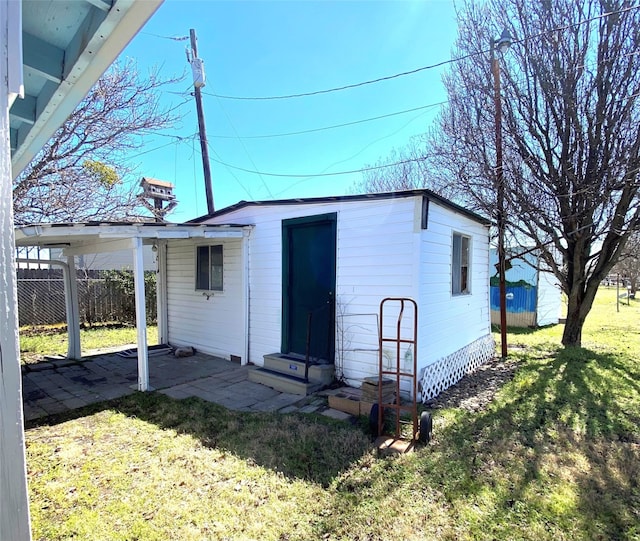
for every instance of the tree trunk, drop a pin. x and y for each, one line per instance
(580, 301)
(572, 335)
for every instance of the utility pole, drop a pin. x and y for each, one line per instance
(501, 44)
(197, 67)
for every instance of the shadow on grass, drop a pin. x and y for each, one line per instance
(518, 330)
(311, 448)
(555, 456)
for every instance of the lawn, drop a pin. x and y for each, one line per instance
(41, 340)
(555, 456)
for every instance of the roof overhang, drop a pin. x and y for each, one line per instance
(91, 238)
(423, 192)
(67, 46)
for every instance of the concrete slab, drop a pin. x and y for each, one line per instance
(71, 385)
(278, 403)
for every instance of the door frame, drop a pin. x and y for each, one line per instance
(291, 223)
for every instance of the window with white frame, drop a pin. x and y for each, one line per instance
(209, 267)
(461, 256)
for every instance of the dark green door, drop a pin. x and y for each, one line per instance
(309, 281)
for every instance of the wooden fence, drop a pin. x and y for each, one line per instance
(103, 296)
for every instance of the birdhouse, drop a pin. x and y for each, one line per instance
(157, 189)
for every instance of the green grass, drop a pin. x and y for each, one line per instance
(555, 456)
(38, 341)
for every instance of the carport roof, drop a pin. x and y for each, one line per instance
(98, 236)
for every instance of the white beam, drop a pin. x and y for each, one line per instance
(14, 502)
(98, 247)
(73, 312)
(222, 234)
(141, 316)
(161, 293)
(245, 293)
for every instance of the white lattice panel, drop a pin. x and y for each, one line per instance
(449, 370)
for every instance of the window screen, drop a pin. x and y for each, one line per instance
(460, 264)
(209, 269)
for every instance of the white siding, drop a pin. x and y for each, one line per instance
(374, 260)
(449, 322)
(549, 299)
(381, 252)
(215, 325)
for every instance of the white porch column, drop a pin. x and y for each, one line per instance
(14, 503)
(73, 311)
(161, 293)
(246, 291)
(141, 315)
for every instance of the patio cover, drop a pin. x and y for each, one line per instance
(99, 237)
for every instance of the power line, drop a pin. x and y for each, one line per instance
(172, 38)
(334, 126)
(213, 150)
(286, 175)
(420, 69)
(177, 138)
(346, 87)
(240, 139)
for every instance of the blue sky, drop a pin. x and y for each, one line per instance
(273, 48)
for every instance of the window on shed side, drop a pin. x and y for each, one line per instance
(209, 268)
(460, 264)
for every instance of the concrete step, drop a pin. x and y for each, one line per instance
(282, 382)
(294, 366)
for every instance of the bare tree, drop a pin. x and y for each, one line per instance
(628, 266)
(406, 173)
(570, 100)
(80, 174)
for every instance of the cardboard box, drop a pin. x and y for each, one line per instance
(342, 402)
(349, 404)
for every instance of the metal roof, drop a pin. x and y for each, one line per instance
(358, 197)
(67, 45)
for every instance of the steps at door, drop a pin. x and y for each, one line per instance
(283, 382)
(292, 366)
(285, 373)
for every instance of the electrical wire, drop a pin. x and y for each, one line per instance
(172, 38)
(213, 151)
(178, 138)
(288, 175)
(246, 151)
(344, 87)
(420, 69)
(334, 126)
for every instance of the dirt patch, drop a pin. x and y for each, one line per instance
(476, 390)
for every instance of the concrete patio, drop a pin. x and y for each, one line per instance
(56, 386)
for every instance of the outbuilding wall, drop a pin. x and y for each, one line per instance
(213, 324)
(382, 251)
(454, 330)
(374, 259)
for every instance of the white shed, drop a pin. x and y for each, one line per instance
(308, 276)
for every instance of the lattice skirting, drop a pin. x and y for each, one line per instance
(447, 371)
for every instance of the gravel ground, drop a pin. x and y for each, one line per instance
(476, 390)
